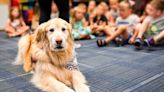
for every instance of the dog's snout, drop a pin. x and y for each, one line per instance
(59, 40)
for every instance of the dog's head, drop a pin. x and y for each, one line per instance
(55, 33)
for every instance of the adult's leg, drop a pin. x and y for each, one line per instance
(63, 6)
(45, 10)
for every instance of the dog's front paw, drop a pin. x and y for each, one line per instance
(27, 68)
(66, 89)
(17, 62)
(82, 88)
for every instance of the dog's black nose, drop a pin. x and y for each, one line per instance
(58, 42)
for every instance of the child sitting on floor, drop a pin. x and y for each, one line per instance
(100, 21)
(152, 27)
(90, 21)
(91, 6)
(125, 28)
(15, 25)
(78, 24)
(113, 13)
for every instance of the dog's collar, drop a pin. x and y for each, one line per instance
(71, 65)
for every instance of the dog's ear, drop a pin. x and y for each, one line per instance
(40, 33)
(70, 30)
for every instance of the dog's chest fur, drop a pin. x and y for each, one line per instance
(55, 64)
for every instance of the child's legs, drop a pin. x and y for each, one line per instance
(10, 30)
(142, 29)
(159, 37)
(76, 35)
(135, 33)
(82, 36)
(23, 30)
(108, 30)
(120, 31)
(84, 33)
(140, 34)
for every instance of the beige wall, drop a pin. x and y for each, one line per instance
(4, 2)
(4, 11)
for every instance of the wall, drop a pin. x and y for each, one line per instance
(4, 10)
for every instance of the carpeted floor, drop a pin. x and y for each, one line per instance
(107, 69)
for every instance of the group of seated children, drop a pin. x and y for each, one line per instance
(152, 27)
(16, 26)
(119, 24)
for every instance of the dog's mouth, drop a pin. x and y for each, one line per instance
(59, 47)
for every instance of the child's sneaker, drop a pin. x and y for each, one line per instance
(77, 45)
(138, 43)
(149, 42)
(92, 37)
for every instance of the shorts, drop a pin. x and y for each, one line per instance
(126, 41)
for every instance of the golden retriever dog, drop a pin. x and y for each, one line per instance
(55, 67)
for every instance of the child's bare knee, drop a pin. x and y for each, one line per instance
(138, 26)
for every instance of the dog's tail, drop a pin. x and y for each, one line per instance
(23, 56)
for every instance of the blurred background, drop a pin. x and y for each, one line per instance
(29, 8)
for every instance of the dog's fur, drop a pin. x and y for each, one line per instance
(49, 73)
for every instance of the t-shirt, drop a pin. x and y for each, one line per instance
(130, 22)
(16, 23)
(155, 26)
(115, 14)
(101, 20)
(78, 25)
(87, 18)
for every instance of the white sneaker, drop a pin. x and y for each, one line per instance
(77, 45)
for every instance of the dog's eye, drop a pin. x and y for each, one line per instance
(63, 29)
(51, 30)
